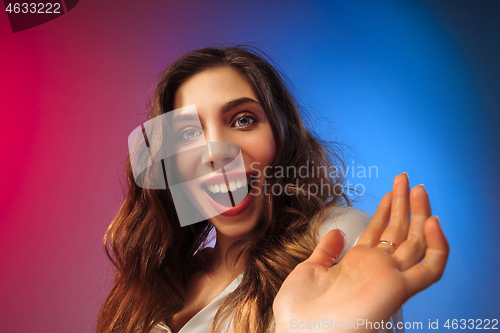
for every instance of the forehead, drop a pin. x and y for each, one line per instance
(213, 87)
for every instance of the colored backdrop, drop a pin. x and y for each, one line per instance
(407, 85)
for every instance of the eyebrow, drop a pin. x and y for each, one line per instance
(185, 117)
(231, 105)
(226, 108)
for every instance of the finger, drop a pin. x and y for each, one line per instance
(412, 250)
(371, 235)
(328, 250)
(432, 267)
(397, 230)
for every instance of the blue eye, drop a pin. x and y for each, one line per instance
(244, 121)
(190, 134)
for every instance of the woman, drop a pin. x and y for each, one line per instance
(233, 111)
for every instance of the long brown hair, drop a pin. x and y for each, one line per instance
(154, 256)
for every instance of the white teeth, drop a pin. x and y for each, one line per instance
(223, 188)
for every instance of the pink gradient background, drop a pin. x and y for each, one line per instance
(70, 91)
(421, 75)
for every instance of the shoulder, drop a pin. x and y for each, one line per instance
(350, 220)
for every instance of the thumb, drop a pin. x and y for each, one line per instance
(328, 249)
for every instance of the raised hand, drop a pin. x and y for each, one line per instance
(392, 261)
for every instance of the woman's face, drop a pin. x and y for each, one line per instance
(230, 116)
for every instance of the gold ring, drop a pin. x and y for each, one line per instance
(388, 243)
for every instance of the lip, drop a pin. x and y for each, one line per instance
(233, 211)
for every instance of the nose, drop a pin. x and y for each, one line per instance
(219, 154)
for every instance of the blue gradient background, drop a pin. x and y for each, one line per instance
(409, 85)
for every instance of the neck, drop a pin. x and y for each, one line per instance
(223, 263)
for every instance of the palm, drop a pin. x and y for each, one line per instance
(373, 280)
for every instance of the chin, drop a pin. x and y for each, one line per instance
(233, 227)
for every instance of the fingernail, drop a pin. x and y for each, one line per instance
(421, 185)
(406, 174)
(437, 218)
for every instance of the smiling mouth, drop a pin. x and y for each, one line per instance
(229, 195)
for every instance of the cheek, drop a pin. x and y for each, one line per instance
(185, 167)
(269, 153)
(264, 149)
